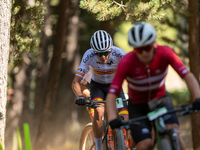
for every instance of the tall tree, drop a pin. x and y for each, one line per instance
(42, 69)
(25, 26)
(194, 62)
(43, 133)
(5, 15)
(66, 113)
(133, 10)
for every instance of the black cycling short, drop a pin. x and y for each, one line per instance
(143, 131)
(101, 90)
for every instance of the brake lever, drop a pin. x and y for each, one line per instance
(93, 104)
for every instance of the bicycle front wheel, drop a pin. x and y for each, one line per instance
(119, 141)
(87, 138)
(165, 144)
(105, 138)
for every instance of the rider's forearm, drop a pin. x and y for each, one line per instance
(192, 85)
(85, 91)
(76, 88)
(111, 106)
(79, 88)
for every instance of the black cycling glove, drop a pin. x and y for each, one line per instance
(116, 123)
(81, 100)
(196, 104)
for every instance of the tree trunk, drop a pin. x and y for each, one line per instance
(5, 15)
(194, 62)
(66, 113)
(42, 70)
(44, 133)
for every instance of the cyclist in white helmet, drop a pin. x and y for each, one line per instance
(102, 60)
(145, 69)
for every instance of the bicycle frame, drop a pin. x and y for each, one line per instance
(161, 133)
(108, 136)
(109, 132)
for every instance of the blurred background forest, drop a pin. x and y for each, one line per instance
(48, 39)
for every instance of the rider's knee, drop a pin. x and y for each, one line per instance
(146, 144)
(173, 126)
(99, 112)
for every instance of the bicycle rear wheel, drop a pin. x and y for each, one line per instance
(119, 141)
(87, 138)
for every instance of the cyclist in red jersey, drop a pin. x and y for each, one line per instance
(145, 70)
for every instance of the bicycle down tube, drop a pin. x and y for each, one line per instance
(156, 117)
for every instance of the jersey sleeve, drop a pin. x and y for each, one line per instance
(118, 79)
(87, 78)
(84, 66)
(176, 63)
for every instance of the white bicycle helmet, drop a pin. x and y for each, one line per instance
(101, 41)
(141, 34)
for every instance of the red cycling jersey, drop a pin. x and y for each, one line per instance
(145, 84)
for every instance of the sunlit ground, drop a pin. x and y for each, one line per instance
(67, 146)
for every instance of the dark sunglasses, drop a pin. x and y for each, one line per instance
(146, 48)
(103, 53)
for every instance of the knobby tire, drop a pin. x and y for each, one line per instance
(105, 136)
(165, 144)
(119, 139)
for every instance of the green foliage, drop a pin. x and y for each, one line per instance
(134, 10)
(19, 138)
(180, 97)
(105, 9)
(88, 25)
(1, 147)
(172, 30)
(27, 136)
(26, 24)
(120, 37)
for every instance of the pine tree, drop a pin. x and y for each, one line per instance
(131, 10)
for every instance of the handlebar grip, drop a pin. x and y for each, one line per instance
(76, 102)
(196, 104)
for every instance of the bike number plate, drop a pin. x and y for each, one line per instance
(157, 113)
(119, 103)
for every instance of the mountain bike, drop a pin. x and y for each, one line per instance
(156, 116)
(112, 139)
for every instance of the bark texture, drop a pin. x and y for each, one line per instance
(5, 16)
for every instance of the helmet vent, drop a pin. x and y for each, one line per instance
(95, 45)
(101, 41)
(141, 31)
(133, 34)
(141, 34)
(150, 36)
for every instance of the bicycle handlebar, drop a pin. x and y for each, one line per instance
(94, 104)
(184, 110)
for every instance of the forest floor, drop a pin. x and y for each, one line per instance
(185, 131)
